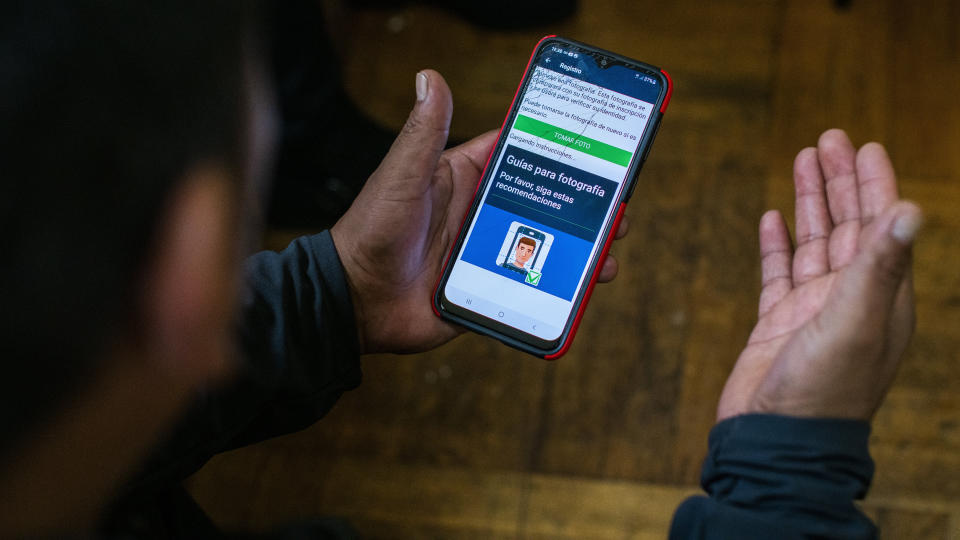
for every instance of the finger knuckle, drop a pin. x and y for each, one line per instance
(890, 270)
(412, 125)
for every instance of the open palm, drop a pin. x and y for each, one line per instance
(836, 313)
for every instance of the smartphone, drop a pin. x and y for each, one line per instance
(551, 195)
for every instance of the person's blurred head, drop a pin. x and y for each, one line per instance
(123, 127)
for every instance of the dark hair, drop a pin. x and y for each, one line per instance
(103, 107)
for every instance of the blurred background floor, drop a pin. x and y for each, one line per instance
(475, 440)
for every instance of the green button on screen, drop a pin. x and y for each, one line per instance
(572, 140)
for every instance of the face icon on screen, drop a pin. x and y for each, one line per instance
(524, 251)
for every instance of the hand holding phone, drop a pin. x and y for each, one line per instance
(551, 195)
(393, 239)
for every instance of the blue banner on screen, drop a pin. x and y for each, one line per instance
(557, 269)
(559, 196)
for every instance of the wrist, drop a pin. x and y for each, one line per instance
(341, 244)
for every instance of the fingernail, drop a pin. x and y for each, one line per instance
(906, 226)
(421, 86)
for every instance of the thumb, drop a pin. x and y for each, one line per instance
(411, 161)
(874, 278)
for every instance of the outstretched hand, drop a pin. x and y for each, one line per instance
(394, 238)
(837, 311)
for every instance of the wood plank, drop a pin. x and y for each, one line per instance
(924, 62)
(831, 72)
(384, 500)
(911, 524)
(471, 402)
(405, 497)
(559, 507)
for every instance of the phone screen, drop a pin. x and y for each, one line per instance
(553, 188)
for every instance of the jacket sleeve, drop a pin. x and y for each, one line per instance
(298, 339)
(298, 354)
(771, 476)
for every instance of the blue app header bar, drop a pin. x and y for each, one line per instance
(617, 77)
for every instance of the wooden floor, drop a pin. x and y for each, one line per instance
(475, 440)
